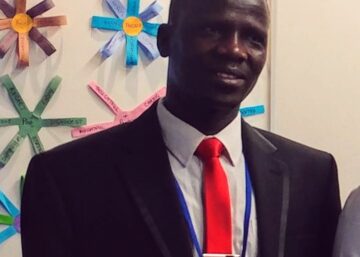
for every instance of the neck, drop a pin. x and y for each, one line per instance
(208, 120)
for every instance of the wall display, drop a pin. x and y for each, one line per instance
(131, 26)
(30, 123)
(24, 25)
(11, 219)
(79, 61)
(120, 115)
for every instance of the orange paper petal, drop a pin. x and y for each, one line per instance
(23, 49)
(20, 6)
(5, 24)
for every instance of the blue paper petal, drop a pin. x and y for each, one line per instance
(252, 110)
(112, 44)
(7, 233)
(152, 11)
(117, 8)
(133, 8)
(131, 50)
(149, 46)
(8, 206)
(107, 23)
(151, 28)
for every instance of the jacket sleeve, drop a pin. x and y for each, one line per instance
(330, 211)
(45, 226)
(348, 231)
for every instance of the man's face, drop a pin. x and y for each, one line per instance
(217, 50)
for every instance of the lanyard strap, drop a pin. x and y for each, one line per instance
(247, 214)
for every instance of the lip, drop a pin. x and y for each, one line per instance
(229, 78)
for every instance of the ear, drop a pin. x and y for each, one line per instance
(164, 39)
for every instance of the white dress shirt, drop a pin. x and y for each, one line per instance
(347, 242)
(181, 141)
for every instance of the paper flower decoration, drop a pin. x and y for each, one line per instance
(120, 115)
(131, 25)
(23, 25)
(11, 219)
(30, 123)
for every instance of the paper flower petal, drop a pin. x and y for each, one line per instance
(50, 21)
(131, 50)
(7, 9)
(149, 46)
(133, 8)
(14, 95)
(8, 205)
(110, 103)
(152, 11)
(5, 24)
(40, 8)
(106, 23)
(10, 122)
(117, 8)
(112, 44)
(20, 6)
(7, 233)
(7, 41)
(10, 149)
(48, 94)
(36, 143)
(23, 49)
(42, 41)
(151, 28)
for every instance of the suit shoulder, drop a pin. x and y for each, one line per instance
(86, 155)
(94, 143)
(291, 147)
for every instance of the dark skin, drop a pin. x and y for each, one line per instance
(216, 50)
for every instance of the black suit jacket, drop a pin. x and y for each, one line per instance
(112, 194)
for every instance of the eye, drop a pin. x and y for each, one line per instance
(257, 40)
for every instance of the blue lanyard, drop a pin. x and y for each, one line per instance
(186, 213)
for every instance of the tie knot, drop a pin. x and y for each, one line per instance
(209, 148)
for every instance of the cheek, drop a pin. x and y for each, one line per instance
(257, 60)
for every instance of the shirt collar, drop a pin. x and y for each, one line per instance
(181, 139)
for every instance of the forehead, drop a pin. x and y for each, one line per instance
(257, 9)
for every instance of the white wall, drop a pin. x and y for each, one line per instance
(316, 78)
(77, 62)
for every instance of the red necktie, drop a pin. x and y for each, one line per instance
(217, 210)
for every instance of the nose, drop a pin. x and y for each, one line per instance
(233, 47)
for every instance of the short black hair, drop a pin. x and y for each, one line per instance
(177, 5)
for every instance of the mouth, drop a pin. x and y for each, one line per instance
(229, 77)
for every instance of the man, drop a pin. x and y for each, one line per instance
(178, 180)
(348, 231)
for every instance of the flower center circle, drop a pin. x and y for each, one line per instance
(22, 23)
(132, 26)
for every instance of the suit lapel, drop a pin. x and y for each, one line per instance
(151, 183)
(270, 179)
